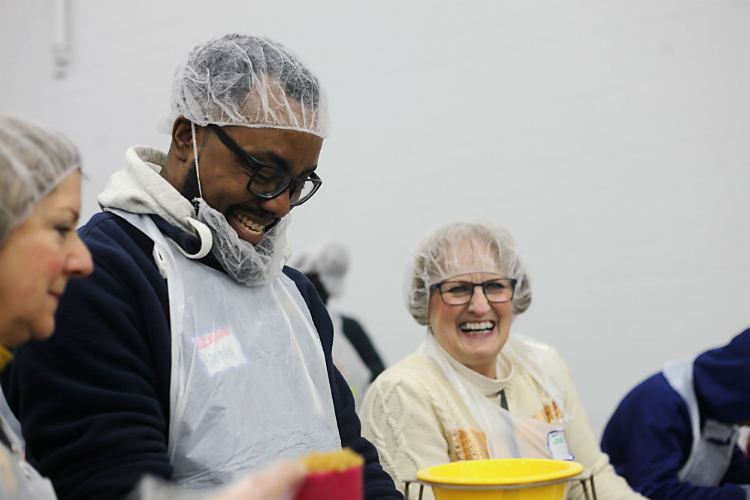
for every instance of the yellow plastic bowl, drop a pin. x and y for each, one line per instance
(519, 472)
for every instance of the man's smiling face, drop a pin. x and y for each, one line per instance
(224, 175)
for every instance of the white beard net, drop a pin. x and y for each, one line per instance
(250, 265)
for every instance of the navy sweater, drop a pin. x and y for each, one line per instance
(93, 400)
(649, 437)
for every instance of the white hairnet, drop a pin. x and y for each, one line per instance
(460, 248)
(329, 260)
(33, 161)
(249, 81)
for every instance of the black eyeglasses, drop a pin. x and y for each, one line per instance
(456, 293)
(267, 181)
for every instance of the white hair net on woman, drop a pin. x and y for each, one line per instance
(248, 81)
(329, 260)
(460, 248)
(33, 161)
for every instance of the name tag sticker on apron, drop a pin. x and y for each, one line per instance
(558, 446)
(219, 351)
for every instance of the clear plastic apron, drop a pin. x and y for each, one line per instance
(249, 383)
(18, 479)
(509, 435)
(712, 449)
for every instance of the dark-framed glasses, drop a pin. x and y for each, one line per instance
(267, 181)
(456, 293)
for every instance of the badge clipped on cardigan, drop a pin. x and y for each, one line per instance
(558, 446)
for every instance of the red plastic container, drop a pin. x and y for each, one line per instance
(333, 485)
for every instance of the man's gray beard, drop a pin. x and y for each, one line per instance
(248, 264)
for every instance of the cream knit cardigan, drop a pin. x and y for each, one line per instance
(410, 408)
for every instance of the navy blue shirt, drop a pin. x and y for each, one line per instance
(649, 437)
(93, 400)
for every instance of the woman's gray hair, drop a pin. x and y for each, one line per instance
(33, 161)
(460, 248)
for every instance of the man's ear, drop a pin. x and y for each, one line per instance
(182, 138)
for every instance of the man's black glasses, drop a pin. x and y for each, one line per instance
(267, 181)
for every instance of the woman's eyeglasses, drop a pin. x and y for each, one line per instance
(456, 293)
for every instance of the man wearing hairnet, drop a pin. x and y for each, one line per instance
(191, 353)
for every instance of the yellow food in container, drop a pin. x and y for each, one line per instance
(336, 475)
(500, 479)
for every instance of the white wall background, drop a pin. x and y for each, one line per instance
(613, 138)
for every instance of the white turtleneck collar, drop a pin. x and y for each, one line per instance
(487, 386)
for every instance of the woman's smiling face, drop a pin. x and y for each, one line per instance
(473, 333)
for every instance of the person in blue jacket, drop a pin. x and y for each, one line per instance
(192, 353)
(675, 435)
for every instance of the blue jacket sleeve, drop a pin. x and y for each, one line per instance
(649, 438)
(378, 484)
(92, 399)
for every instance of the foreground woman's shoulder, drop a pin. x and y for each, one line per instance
(529, 348)
(411, 386)
(529, 342)
(411, 370)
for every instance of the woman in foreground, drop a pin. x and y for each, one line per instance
(40, 202)
(472, 390)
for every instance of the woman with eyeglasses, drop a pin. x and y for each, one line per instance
(473, 390)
